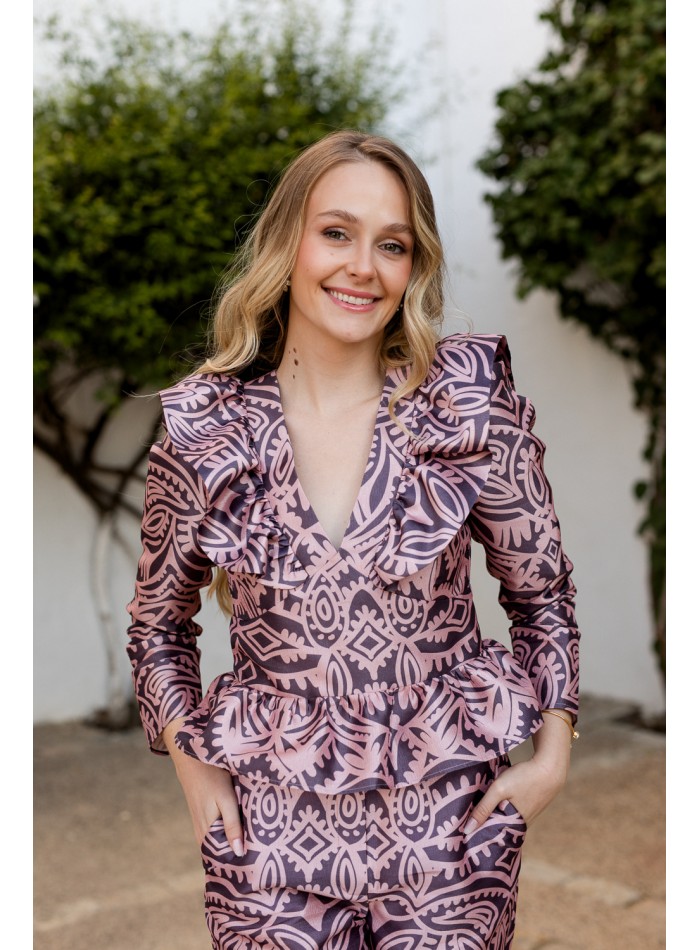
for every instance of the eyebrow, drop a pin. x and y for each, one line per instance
(352, 219)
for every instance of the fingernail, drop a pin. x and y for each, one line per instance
(238, 847)
(471, 825)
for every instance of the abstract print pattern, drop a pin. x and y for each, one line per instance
(364, 713)
(359, 668)
(328, 870)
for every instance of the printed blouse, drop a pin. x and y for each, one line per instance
(363, 666)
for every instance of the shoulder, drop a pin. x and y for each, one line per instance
(469, 390)
(453, 404)
(205, 418)
(471, 358)
(476, 360)
(202, 407)
(482, 362)
(201, 391)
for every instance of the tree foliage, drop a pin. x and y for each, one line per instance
(151, 158)
(580, 163)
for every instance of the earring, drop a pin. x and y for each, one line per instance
(286, 286)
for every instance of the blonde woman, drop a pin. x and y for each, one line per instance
(348, 779)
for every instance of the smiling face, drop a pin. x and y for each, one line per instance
(355, 255)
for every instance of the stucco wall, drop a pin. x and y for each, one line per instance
(582, 394)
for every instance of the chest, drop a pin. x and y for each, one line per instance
(330, 456)
(385, 512)
(330, 480)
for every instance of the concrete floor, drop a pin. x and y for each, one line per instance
(117, 868)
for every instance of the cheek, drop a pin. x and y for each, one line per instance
(403, 275)
(314, 266)
(304, 277)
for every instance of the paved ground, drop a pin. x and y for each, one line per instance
(116, 867)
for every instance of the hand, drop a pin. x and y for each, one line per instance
(208, 791)
(528, 785)
(531, 785)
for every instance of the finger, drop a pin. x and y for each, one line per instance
(232, 825)
(481, 811)
(203, 824)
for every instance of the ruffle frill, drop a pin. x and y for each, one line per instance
(206, 420)
(376, 739)
(447, 462)
(447, 459)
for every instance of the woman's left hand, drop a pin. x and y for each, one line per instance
(531, 785)
(528, 785)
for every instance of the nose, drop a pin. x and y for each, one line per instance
(361, 264)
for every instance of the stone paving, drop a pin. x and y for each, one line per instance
(116, 867)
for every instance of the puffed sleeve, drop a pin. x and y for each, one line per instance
(172, 569)
(514, 519)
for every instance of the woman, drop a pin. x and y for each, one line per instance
(348, 780)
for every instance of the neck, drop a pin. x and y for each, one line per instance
(325, 373)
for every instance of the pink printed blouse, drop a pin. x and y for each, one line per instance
(361, 667)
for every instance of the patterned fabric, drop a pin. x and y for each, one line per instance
(328, 870)
(364, 667)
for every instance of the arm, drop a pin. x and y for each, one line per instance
(172, 569)
(163, 635)
(514, 519)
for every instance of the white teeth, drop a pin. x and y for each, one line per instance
(346, 298)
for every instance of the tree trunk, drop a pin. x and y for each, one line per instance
(117, 713)
(657, 524)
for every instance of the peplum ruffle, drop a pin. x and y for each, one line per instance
(376, 739)
(206, 420)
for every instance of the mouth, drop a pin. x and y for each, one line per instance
(352, 301)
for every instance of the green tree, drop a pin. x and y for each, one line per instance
(152, 156)
(580, 161)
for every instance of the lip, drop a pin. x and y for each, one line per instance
(369, 299)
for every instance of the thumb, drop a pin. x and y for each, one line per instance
(484, 808)
(232, 824)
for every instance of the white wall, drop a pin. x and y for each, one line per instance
(581, 392)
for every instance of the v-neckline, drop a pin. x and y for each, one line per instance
(352, 522)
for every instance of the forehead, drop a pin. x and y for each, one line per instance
(362, 185)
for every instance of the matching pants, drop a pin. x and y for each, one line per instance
(390, 869)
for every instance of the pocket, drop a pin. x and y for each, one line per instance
(507, 808)
(215, 835)
(211, 829)
(217, 854)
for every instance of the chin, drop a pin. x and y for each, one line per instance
(354, 331)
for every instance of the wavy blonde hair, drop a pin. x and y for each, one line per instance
(251, 308)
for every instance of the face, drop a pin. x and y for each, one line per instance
(355, 255)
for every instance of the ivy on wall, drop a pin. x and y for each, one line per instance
(579, 161)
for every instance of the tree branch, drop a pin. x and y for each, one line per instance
(98, 497)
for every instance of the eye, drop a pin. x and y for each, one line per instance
(393, 247)
(335, 234)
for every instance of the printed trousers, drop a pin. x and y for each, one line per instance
(389, 869)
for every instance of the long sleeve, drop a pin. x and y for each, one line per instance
(172, 569)
(514, 519)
